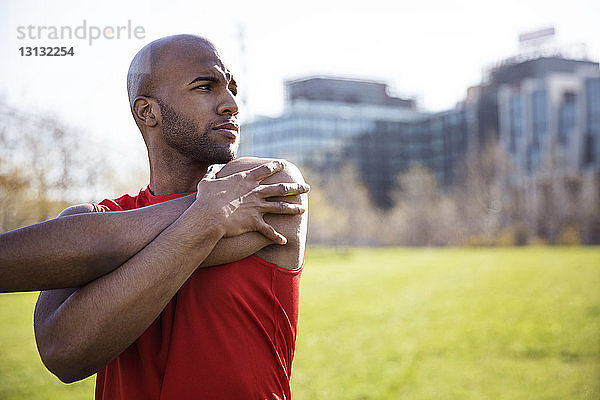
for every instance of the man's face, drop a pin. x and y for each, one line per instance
(198, 107)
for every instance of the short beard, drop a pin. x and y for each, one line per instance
(183, 135)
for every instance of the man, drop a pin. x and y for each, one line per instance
(159, 327)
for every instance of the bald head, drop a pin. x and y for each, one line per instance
(149, 66)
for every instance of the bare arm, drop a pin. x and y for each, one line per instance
(76, 248)
(81, 246)
(125, 301)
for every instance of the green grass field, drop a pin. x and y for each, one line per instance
(519, 323)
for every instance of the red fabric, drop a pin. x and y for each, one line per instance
(229, 333)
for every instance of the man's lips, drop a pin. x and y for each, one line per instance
(228, 129)
(228, 126)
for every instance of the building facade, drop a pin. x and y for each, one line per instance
(321, 117)
(544, 112)
(329, 122)
(547, 115)
(436, 141)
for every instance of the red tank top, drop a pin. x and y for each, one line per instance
(229, 333)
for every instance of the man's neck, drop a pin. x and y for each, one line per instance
(175, 177)
(159, 187)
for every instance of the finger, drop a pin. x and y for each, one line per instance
(265, 170)
(270, 233)
(281, 207)
(283, 189)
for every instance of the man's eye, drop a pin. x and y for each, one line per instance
(203, 87)
(233, 90)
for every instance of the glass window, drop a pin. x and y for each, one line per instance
(516, 120)
(539, 110)
(593, 119)
(566, 118)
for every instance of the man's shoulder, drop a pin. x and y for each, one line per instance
(291, 172)
(122, 203)
(77, 209)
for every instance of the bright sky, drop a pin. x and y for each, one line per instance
(431, 50)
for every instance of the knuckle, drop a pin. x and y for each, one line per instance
(267, 168)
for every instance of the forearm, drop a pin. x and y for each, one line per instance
(73, 250)
(123, 302)
(235, 248)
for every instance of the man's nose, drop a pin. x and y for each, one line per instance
(228, 104)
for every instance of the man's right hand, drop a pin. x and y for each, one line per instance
(238, 202)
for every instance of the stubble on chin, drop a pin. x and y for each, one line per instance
(182, 134)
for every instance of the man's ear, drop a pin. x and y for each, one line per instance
(146, 111)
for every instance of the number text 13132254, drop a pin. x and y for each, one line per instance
(46, 51)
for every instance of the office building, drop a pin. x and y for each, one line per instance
(328, 122)
(321, 117)
(543, 110)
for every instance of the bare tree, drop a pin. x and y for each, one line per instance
(341, 212)
(44, 166)
(590, 208)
